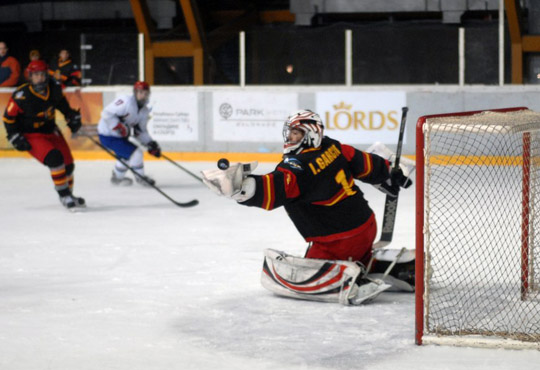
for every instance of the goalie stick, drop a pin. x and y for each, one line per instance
(390, 204)
(191, 203)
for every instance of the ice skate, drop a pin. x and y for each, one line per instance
(120, 181)
(73, 203)
(79, 202)
(149, 181)
(68, 202)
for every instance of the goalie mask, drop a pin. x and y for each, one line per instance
(306, 122)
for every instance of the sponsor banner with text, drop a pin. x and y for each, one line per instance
(361, 117)
(251, 116)
(174, 116)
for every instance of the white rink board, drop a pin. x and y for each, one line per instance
(174, 116)
(362, 117)
(251, 116)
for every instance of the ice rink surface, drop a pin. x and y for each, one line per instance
(136, 283)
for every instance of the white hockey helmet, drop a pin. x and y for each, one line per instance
(310, 124)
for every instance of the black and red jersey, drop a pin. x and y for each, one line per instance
(66, 73)
(28, 111)
(317, 188)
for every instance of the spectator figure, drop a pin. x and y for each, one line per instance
(10, 69)
(65, 71)
(33, 55)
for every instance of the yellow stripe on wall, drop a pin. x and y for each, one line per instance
(89, 155)
(447, 160)
(83, 155)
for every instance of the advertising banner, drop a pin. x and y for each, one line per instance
(251, 116)
(174, 116)
(362, 117)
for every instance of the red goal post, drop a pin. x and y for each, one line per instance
(477, 228)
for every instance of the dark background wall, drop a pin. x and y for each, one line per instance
(415, 48)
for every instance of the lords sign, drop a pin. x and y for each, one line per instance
(361, 117)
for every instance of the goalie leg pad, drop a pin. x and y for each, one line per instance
(316, 280)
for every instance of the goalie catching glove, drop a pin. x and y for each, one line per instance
(232, 182)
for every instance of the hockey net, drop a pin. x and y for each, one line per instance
(478, 232)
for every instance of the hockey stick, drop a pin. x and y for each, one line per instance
(390, 204)
(191, 203)
(181, 167)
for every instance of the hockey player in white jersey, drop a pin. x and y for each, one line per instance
(128, 115)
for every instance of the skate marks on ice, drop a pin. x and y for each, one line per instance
(303, 334)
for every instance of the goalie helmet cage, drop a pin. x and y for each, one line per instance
(477, 234)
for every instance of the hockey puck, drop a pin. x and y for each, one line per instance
(223, 164)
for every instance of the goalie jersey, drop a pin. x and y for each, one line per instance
(318, 191)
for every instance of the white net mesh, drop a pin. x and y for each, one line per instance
(480, 277)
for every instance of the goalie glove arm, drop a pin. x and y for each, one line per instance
(366, 167)
(273, 190)
(398, 178)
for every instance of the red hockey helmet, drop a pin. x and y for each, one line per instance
(141, 85)
(37, 66)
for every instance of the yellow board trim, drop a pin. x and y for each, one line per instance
(472, 160)
(84, 155)
(90, 155)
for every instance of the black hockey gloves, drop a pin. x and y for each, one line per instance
(74, 122)
(19, 142)
(154, 149)
(398, 178)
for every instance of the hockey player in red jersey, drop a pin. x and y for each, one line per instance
(30, 123)
(315, 183)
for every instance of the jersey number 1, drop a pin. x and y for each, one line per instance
(341, 179)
